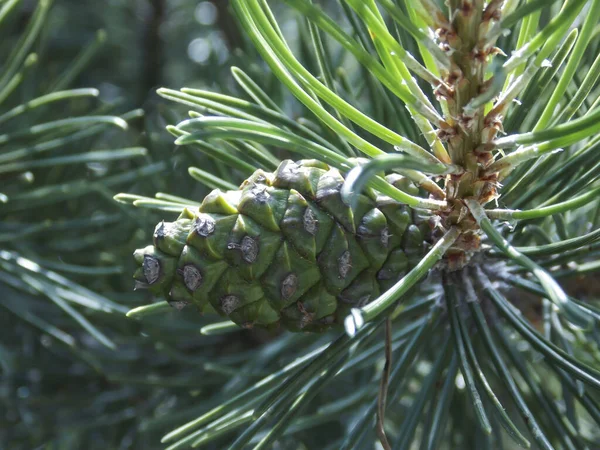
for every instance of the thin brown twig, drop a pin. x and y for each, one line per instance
(383, 386)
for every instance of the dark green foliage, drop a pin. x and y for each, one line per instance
(493, 346)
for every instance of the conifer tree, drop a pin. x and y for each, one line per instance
(388, 237)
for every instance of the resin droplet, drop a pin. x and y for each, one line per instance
(311, 223)
(151, 267)
(345, 264)
(249, 249)
(230, 303)
(289, 286)
(204, 226)
(192, 277)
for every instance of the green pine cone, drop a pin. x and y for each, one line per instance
(284, 248)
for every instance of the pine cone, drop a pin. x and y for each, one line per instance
(284, 248)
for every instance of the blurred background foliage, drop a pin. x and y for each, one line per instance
(76, 373)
